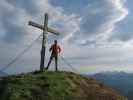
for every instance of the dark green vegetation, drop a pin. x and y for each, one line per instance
(54, 86)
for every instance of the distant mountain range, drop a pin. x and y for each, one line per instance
(121, 81)
(2, 74)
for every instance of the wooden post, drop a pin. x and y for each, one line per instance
(44, 39)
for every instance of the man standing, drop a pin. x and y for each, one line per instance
(55, 49)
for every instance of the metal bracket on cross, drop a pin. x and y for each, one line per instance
(45, 29)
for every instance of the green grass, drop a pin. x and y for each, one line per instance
(44, 86)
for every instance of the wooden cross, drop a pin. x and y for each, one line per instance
(45, 29)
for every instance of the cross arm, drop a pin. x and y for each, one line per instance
(35, 25)
(53, 31)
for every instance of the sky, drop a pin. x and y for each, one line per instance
(96, 35)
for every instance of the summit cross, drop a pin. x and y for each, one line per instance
(45, 30)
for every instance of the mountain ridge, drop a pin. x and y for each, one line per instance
(54, 86)
(120, 81)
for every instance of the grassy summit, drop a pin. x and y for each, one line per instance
(54, 86)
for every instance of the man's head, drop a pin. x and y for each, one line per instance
(55, 41)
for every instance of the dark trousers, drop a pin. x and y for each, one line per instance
(55, 56)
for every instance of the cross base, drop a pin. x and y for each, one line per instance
(42, 58)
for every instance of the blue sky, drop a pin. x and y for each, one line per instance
(96, 35)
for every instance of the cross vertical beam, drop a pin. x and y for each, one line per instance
(42, 62)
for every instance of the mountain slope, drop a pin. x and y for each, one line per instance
(54, 86)
(121, 81)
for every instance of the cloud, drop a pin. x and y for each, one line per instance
(15, 15)
(94, 20)
(124, 30)
(13, 22)
(88, 23)
(99, 20)
(95, 59)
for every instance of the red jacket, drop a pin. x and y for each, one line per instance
(55, 49)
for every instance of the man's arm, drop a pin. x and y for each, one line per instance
(51, 48)
(59, 49)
